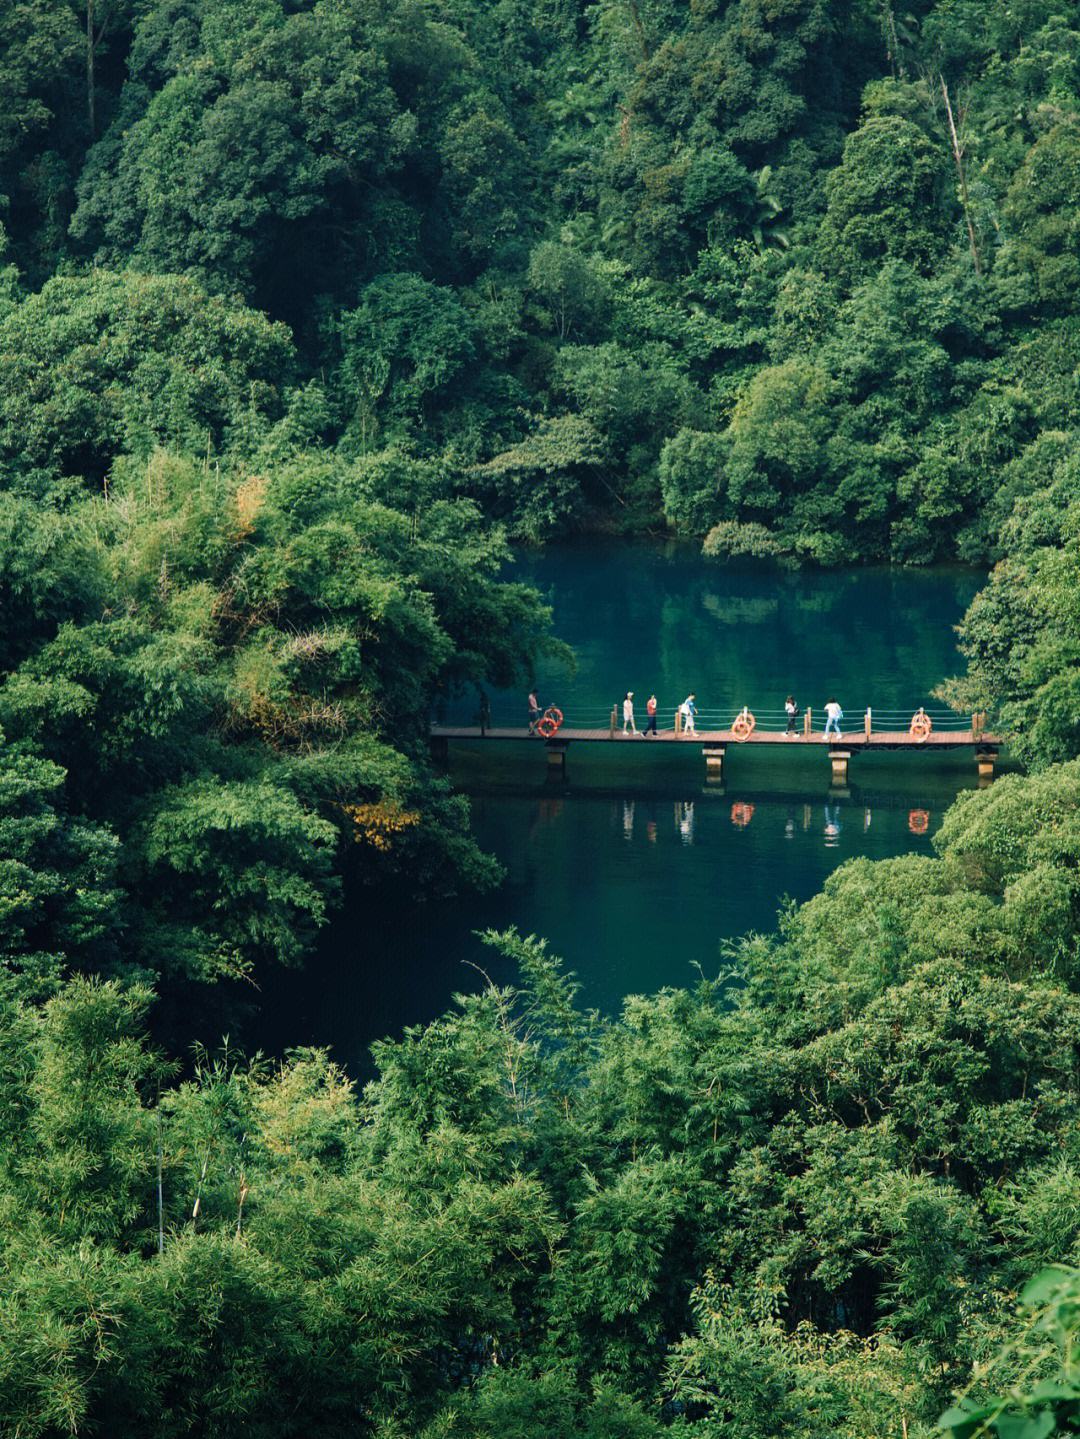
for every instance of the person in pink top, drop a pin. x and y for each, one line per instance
(650, 716)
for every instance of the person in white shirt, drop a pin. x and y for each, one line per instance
(628, 725)
(833, 715)
(688, 709)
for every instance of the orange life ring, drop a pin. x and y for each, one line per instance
(551, 721)
(741, 815)
(918, 821)
(921, 725)
(743, 724)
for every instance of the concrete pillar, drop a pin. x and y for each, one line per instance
(839, 759)
(985, 759)
(556, 754)
(714, 762)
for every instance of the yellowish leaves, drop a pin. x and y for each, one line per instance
(250, 497)
(380, 823)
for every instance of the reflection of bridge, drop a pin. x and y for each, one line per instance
(873, 730)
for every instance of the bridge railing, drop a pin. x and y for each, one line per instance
(591, 716)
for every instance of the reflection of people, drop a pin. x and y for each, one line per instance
(833, 715)
(789, 825)
(832, 826)
(791, 709)
(628, 725)
(684, 818)
(688, 709)
(628, 819)
(650, 831)
(534, 711)
(650, 712)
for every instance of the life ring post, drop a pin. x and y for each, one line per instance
(921, 725)
(742, 727)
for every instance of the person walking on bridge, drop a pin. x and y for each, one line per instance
(791, 709)
(688, 709)
(534, 711)
(650, 716)
(833, 715)
(628, 725)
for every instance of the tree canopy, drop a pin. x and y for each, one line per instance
(309, 309)
(485, 225)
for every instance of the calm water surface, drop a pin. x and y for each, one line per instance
(635, 868)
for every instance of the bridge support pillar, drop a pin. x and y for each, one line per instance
(839, 758)
(714, 762)
(556, 755)
(985, 759)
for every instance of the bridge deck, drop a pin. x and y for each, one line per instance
(856, 740)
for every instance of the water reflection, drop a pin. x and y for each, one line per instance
(631, 890)
(793, 819)
(664, 618)
(918, 821)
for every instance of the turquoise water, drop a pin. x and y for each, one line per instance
(664, 618)
(635, 868)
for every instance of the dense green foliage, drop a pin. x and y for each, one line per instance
(806, 264)
(306, 306)
(1021, 635)
(801, 1209)
(217, 693)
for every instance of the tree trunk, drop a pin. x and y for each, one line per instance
(892, 40)
(958, 157)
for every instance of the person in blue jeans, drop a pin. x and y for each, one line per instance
(833, 715)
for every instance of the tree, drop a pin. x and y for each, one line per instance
(885, 200)
(112, 363)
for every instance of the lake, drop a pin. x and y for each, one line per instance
(635, 868)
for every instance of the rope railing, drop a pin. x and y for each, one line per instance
(866, 720)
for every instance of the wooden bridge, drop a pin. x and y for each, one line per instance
(881, 731)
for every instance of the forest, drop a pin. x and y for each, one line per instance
(311, 311)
